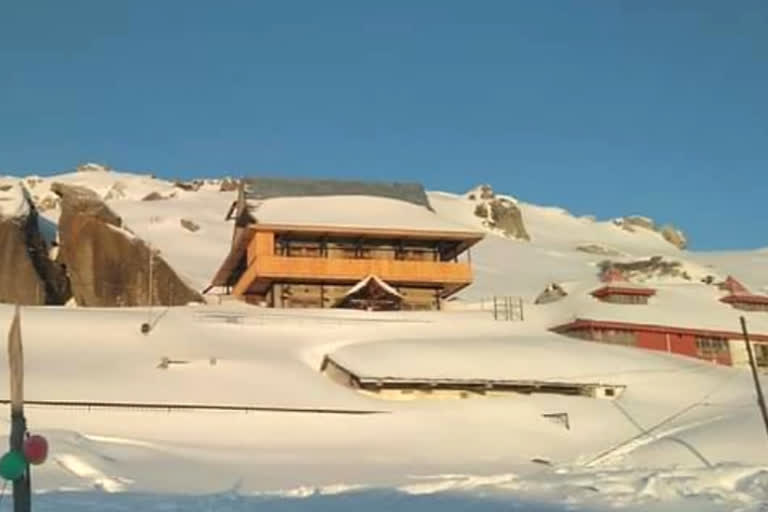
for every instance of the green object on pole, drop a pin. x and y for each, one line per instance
(13, 465)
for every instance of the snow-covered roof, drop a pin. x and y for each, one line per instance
(364, 212)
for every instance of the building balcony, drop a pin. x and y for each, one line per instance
(264, 269)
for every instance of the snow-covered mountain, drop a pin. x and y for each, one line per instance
(682, 436)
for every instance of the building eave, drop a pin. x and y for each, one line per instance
(629, 326)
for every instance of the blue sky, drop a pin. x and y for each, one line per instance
(606, 107)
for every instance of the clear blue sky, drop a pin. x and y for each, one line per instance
(607, 107)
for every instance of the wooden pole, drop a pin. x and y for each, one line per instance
(22, 486)
(753, 365)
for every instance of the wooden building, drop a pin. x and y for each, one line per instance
(721, 347)
(323, 244)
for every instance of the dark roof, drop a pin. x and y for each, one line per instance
(267, 188)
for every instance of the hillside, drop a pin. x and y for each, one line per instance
(682, 435)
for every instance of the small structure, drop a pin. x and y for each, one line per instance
(625, 294)
(741, 298)
(371, 294)
(395, 388)
(617, 290)
(721, 347)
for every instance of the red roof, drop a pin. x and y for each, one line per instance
(745, 299)
(623, 290)
(580, 323)
(734, 286)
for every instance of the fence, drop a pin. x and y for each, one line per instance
(505, 307)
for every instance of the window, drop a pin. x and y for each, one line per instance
(710, 347)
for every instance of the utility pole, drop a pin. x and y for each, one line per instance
(21, 486)
(753, 365)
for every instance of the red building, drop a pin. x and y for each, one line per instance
(740, 297)
(623, 294)
(721, 347)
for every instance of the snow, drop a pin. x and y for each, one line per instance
(13, 199)
(685, 434)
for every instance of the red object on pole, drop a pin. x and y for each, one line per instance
(35, 449)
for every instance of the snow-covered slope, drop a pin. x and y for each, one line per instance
(683, 434)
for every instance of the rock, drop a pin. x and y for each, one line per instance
(639, 221)
(655, 266)
(670, 233)
(189, 225)
(117, 191)
(228, 185)
(48, 203)
(674, 236)
(107, 265)
(154, 196)
(92, 167)
(551, 293)
(498, 213)
(27, 275)
(189, 186)
(599, 249)
(507, 217)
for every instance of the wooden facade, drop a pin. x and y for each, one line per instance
(302, 266)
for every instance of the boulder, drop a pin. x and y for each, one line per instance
(228, 185)
(190, 225)
(639, 221)
(27, 275)
(189, 186)
(674, 236)
(552, 293)
(154, 196)
(499, 213)
(107, 265)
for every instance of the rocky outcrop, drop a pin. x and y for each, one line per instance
(601, 250)
(670, 233)
(27, 275)
(228, 185)
(653, 267)
(674, 236)
(107, 265)
(189, 186)
(499, 214)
